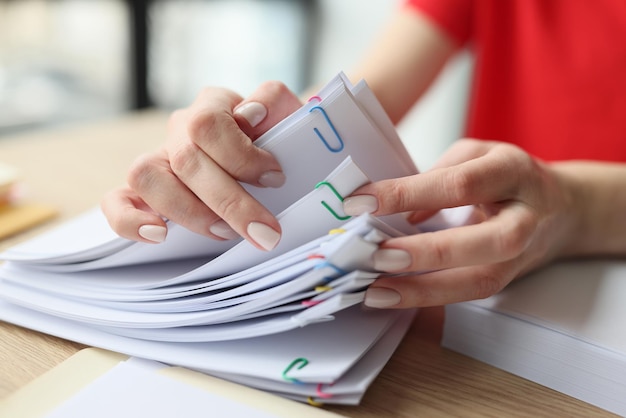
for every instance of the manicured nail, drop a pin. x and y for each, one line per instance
(272, 179)
(223, 230)
(154, 233)
(253, 112)
(358, 205)
(263, 235)
(378, 297)
(391, 259)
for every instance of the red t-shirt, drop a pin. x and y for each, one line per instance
(549, 76)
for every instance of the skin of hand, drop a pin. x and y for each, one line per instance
(527, 217)
(193, 179)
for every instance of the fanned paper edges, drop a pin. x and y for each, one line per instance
(199, 303)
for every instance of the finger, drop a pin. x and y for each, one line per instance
(492, 177)
(243, 216)
(440, 287)
(151, 178)
(228, 200)
(463, 150)
(209, 126)
(130, 217)
(268, 105)
(502, 237)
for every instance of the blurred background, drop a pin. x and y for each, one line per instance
(64, 61)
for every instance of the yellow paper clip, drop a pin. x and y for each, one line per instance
(314, 403)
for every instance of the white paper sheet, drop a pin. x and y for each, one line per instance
(129, 391)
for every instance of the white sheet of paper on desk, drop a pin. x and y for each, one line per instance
(130, 391)
(62, 245)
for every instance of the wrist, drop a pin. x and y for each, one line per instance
(597, 208)
(575, 211)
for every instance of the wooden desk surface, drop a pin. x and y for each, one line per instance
(72, 167)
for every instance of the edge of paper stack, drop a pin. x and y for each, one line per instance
(289, 321)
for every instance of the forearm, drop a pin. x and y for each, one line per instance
(599, 204)
(403, 62)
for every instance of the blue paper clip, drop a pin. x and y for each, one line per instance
(339, 148)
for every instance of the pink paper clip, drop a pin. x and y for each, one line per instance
(321, 394)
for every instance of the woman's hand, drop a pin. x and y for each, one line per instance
(525, 218)
(193, 179)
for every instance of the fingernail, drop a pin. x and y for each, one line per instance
(253, 112)
(272, 179)
(391, 259)
(358, 205)
(263, 235)
(223, 230)
(378, 297)
(154, 233)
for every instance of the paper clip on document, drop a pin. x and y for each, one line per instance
(327, 206)
(299, 363)
(340, 145)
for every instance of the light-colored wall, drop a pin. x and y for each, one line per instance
(346, 29)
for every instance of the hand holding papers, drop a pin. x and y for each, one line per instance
(265, 319)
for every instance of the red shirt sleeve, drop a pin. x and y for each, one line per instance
(453, 16)
(547, 75)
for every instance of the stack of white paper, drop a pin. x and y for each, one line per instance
(562, 327)
(287, 321)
